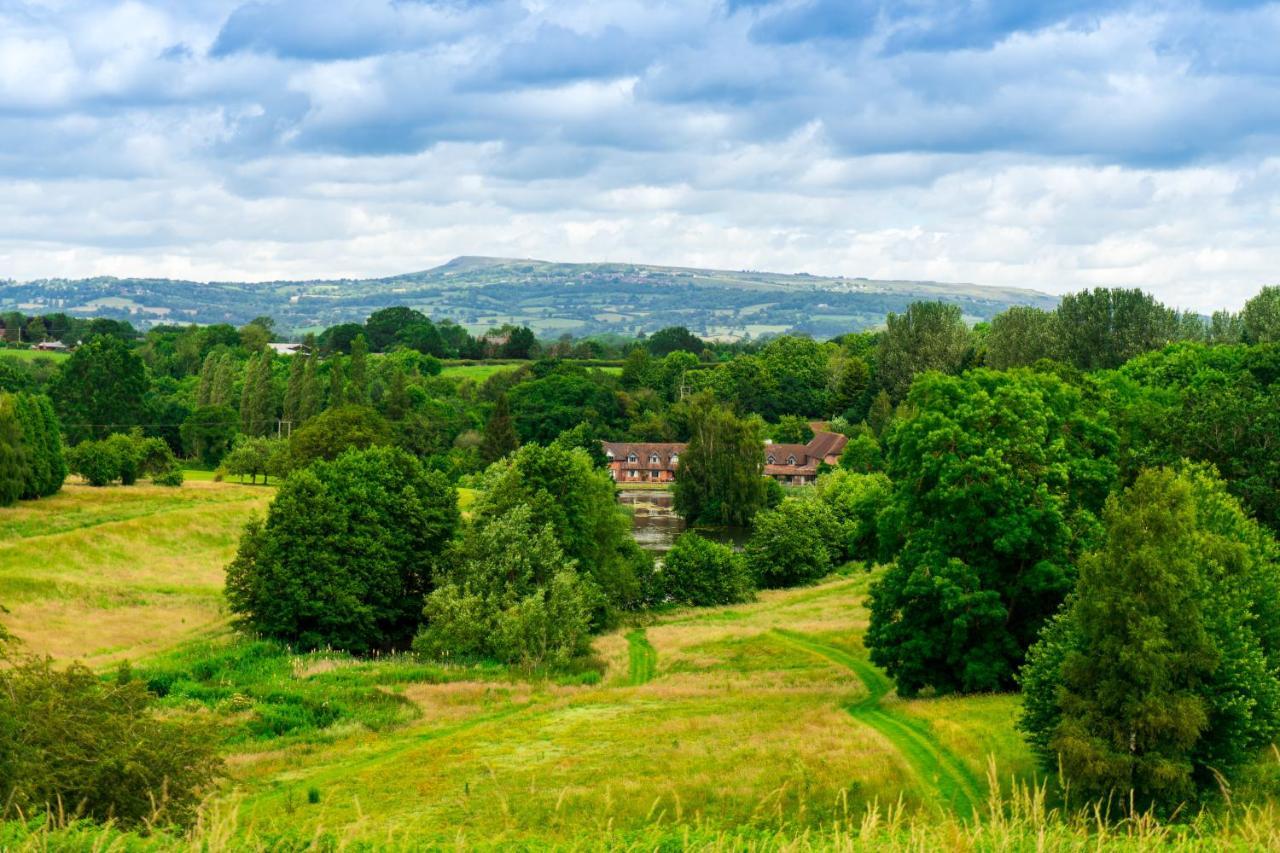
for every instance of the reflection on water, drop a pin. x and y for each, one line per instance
(655, 524)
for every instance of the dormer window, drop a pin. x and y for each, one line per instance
(609, 454)
(675, 457)
(791, 460)
(631, 457)
(770, 459)
(653, 459)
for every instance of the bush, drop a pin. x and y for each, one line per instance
(346, 553)
(70, 740)
(791, 545)
(703, 573)
(98, 462)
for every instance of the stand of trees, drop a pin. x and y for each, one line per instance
(32, 464)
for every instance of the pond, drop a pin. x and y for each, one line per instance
(655, 525)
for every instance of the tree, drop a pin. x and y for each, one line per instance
(1260, 319)
(499, 433)
(337, 340)
(14, 460)
(997, 479)
(720, 476)
(310, 402)
(224, 378)
(1159, 677)
(248, 391)
(254, 337)
(798, 367)
(674, 339)
(509, 594)
(881, 414)
(207, 433)
(292, 409)
(544, 408)
(929, 336)
(262, 400)
(100, 389)
(205, 389)
(41, 437)
(357, 390)
(521, 343)
(334, 431)
(337, 395)
(257, 457)
(856, 501)
(792, 429)
(862, 454)
(703, 573)
(562, 488)
(850, 387)
(383, 327)
(639, 370)
(346, 553)
(1101, 329)
(790, 544)
(1019, 337)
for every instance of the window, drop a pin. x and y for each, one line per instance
(631, 457)
(791, 460)
(770, 459)
(675, 457)
(609, 454)
(653, 459)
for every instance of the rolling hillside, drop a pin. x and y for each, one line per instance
(552, 298)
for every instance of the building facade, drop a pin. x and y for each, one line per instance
(792, 464)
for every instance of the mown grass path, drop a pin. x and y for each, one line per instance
(644, 657)
(928, 759)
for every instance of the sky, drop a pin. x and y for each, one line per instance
(1052, 145)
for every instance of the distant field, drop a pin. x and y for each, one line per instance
(31, 355)
(478, 372)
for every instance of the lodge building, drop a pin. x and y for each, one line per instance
(792, 464)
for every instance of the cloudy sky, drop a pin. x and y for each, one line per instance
(1048, 144)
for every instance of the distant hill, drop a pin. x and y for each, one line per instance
(552, 298)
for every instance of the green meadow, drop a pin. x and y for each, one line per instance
(759, 726)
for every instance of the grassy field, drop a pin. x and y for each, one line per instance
(105, 574)
(31, 355)
(759, 726)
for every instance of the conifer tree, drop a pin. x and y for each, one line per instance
(358, 376)
(499, 433)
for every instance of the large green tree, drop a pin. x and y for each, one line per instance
(499, 432)
(100, 389)
(1105, 327)
(1260, 319)
(1159, 679)
(928, 336)
(719, 479)
(1020, 336)
(997, 479)
(346, 553)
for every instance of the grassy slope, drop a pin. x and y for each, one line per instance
(712, 716)
(104, 574)
(32, 355)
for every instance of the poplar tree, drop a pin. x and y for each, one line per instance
(499, 433)
(224, 380)
(263, 401)
(310, 403)
(14, 460)
(397, 399)
(293, 391)
(205, 390)
(335, 382)
(358, 376)
(247, 395)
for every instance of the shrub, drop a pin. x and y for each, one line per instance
(98, 462)
(791, 545)
(346, 553)
(703, 573)
(71, 741)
